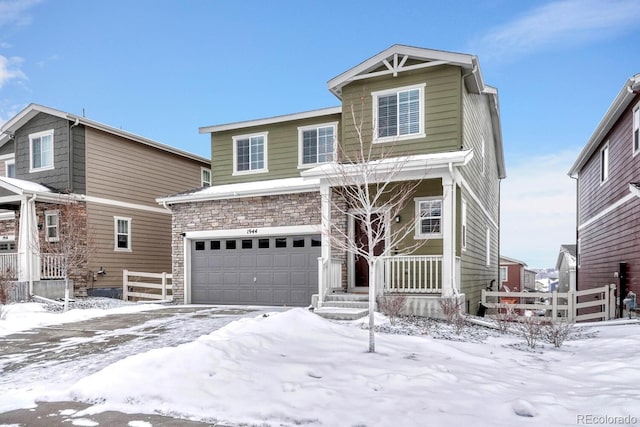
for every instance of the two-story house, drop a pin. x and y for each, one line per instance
(515, 276)
(607, 172)
(49, 157)
(261, 233)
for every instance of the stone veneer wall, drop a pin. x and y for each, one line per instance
(250, 212)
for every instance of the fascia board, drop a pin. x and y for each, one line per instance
(271, 120)
(233, 192)
(617, 107)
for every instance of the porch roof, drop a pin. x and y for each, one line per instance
(412, 167)
(22, 187)
(245, 189)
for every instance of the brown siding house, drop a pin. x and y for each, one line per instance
(113, 175)
(607, 171)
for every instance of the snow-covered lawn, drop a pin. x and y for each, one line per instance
(294, 368)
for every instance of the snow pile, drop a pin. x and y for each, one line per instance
(295, 368)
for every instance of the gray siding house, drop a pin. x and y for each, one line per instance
(260, 233)
(49, 157)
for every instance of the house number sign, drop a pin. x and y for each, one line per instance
(252, 231)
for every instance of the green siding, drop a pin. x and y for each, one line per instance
(282, 150)
(442, 110)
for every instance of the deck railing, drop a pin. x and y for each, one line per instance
(419, 274)
(330, 278)
(9, 265)
(51, 266)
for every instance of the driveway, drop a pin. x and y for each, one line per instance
(47, 360)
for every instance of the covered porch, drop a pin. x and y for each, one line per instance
(424, 276)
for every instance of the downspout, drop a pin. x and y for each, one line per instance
(577, 234)
(29, 248)
(70, 142)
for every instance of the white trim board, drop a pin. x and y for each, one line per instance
(248, 232)
(606, 211)
(118, 203)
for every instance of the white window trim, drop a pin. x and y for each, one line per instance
(115, 234)
(506, 274)
(265, 167)
(635, 125)
(10, 161)
(417, 226)
(202, 181)
(607, 164)
(463, 231)
(375, 95)
(48, 214)
(301, 129)
(39, 135)
(484, 160)
(488, 248)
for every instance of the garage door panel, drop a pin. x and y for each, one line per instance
(283, 275)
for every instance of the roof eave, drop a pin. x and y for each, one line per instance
(617, 107)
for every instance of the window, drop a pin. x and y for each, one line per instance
(488, 248)
(10, 168)
(316, 144)
(247, 244)
(199, 246)
(249, 154)
(503, 274)
(214, 245)
(636, 129)
(51, 219)
(298, 242)
(123, 234)
(399, 113)
(281, 242)
(429, 217)
(263, 243)
(604, 163)
(205, 177)
(463, 232)
(229, 244)
(41, 151)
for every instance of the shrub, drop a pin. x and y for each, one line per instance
(505, 316)
(531, 330)
(557, 333)
(452, 309)
(392, 305)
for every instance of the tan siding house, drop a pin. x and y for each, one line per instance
(260, 234)
(114, 177)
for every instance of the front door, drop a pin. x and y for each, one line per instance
(361, 266)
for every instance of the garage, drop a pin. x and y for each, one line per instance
(266, 270)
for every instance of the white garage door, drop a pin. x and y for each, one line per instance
(275, 270)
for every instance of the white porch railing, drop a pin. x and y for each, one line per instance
(51, 266)
(330, 277)
(419, 274)
(9, 264)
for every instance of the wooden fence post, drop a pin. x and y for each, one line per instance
(554, 306)
(571, 307)
(125, 285)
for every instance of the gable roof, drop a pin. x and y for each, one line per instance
(7, 131)
(507, 260)
(394, 60)
(568, 253)
(629, 90)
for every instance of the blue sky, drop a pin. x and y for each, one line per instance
(162, 69)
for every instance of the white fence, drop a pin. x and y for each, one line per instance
(134, 287)
(9, 264)
(330, 278)
(556, 305)
(51, 265)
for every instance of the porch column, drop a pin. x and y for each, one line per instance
(28, 243)
(325, 209)
(448, 236)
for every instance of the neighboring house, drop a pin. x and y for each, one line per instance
(259, 234)
(566, 266)
(515, 276)
(607, 171)
(51, 157)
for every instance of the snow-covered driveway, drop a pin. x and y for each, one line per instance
(54, 357)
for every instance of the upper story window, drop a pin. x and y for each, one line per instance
(51, 219)
(463, 232)
(636, 129)
(122, 231)
(428, 217)
(10, 168)
(41, 151)
(399, 113)
(250, 153)
(205, 177)
(604, 163)
(316, 144)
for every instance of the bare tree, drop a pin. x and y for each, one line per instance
(369, 191)
(68, 241)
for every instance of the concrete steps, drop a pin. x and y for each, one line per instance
(344, 307)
